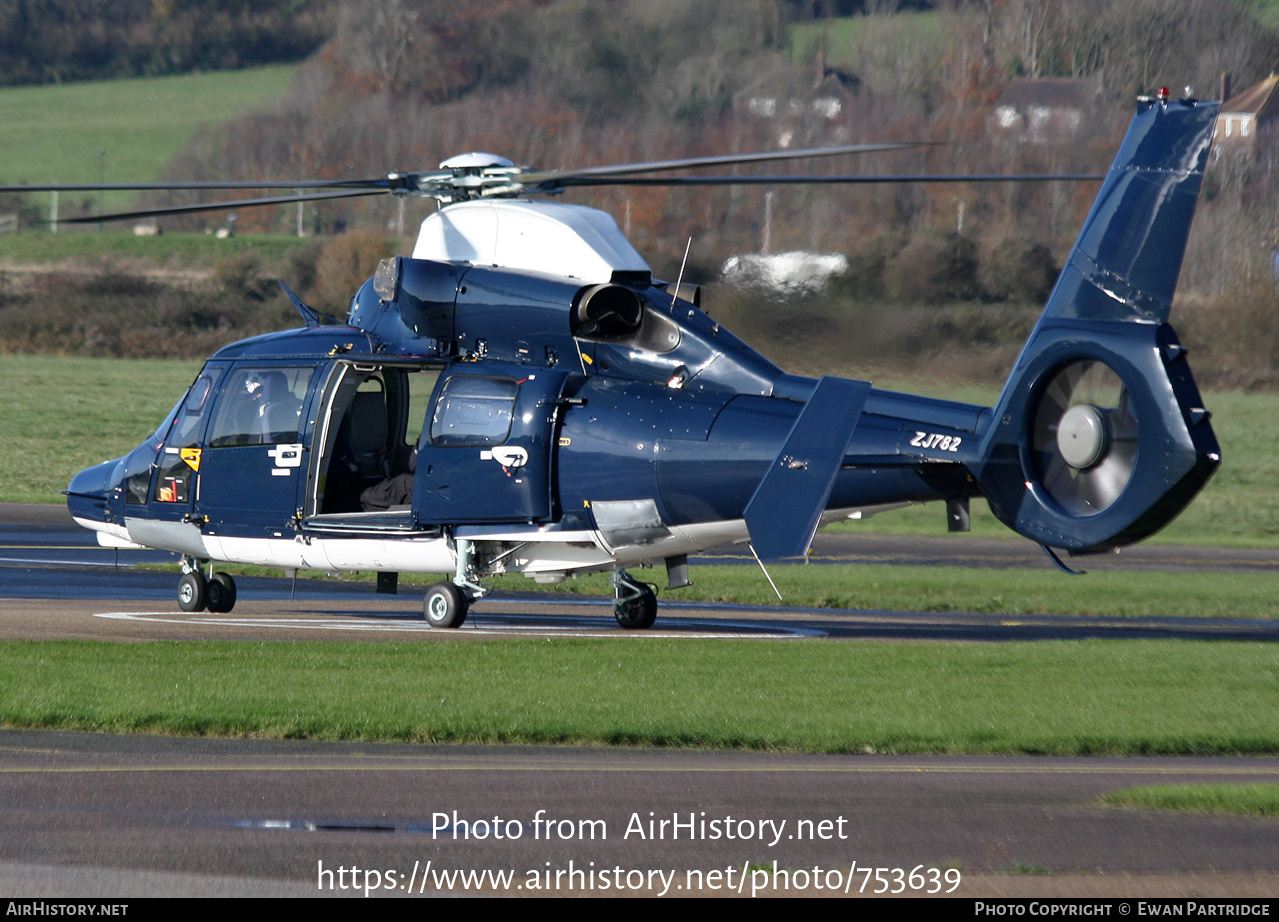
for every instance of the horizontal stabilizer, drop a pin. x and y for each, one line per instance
(783, 514)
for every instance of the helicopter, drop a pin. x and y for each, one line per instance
(520, 395)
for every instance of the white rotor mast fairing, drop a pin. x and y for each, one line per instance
(564, 240)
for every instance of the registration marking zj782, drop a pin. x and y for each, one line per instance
(936, 440)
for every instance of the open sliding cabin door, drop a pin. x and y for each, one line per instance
(369, 419)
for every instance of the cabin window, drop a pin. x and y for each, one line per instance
(474, 411)
(261, 406)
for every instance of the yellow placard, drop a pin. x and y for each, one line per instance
(192, 457)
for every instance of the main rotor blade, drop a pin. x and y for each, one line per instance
(809, 180)
(221, 206)
(379, 184)
(656, 166)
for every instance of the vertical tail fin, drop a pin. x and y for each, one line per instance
(1100, 437)
(1125, 264)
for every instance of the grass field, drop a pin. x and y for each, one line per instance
(120, 130)
(1249, 799)
(61, 415)
(1266, 11)
(200, 251)
(840, 37)
(1093, 697)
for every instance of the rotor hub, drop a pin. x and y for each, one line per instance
(1082, 436)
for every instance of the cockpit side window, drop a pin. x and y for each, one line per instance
(474, 411)
(181, 429)
(260, 406)
(185, 430)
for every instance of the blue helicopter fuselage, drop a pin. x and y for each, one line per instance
(642, 438)
(482, 420)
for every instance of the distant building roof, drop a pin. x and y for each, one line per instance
(1260, 100)
(1246, 118)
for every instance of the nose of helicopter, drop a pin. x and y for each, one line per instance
(89, 494)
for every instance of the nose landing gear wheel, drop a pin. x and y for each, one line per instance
(638, 613)
(193, 591)
(635, 603)
(221, 591)
(445, 606)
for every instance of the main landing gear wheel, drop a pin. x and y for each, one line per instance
(193, 591)
(635, 604)
(221, 592)
(445, 606)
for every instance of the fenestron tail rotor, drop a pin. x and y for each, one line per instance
(1084, 437)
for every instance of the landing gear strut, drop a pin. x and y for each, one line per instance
(196, 592)
(447, 604)
(634, 603)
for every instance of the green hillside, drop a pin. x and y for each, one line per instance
(120, 130)
(1266, 11)
(841, 36)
